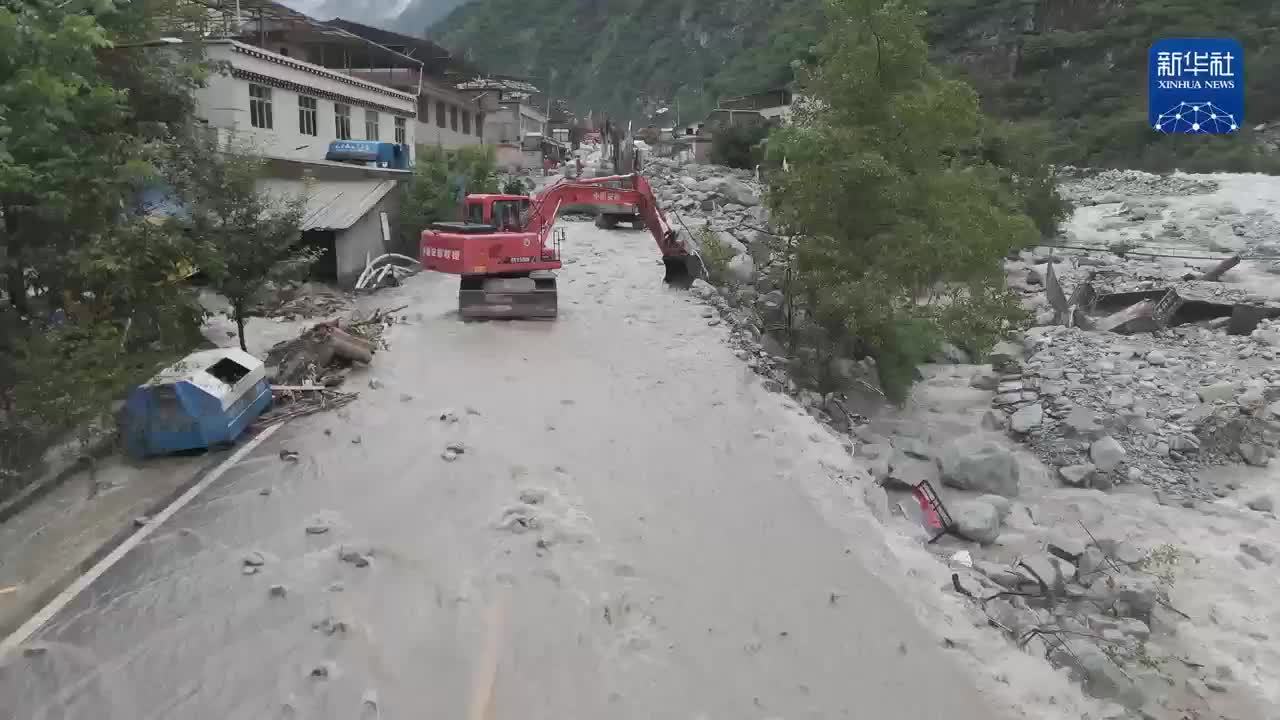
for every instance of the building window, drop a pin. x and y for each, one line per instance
(453, 117)
(424, 105)
(480, 125)
(260, 106)
(402, 131)
(307, 111)
(342, 121)
(466, 122)
(370, 124)
(440, 113)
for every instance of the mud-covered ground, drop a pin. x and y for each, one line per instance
(633, 528)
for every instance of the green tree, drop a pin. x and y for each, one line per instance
(429, 196)
(739, 146)
(245, 237)
(93, 297)
(902, 224)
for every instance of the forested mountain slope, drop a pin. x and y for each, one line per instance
(1078, 66)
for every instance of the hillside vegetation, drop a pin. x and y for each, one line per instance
(1077, 67)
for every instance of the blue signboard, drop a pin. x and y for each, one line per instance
(353, 150)
(1195, 86)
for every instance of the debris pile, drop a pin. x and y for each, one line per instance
(1105, 409)
(291, 301)
(307, 370)
(1088, 187)
(1098, 608)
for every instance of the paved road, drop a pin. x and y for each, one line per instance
(636, 530)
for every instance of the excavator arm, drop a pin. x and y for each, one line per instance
(597, 191)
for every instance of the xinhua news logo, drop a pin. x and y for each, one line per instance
(1196, 86)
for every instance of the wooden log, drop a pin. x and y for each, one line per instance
(350, 347)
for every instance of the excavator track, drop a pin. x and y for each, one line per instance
(530, 296)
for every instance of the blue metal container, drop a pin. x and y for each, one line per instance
(370, 153)
(207, 399)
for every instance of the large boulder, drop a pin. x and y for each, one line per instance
(975, 463)
(742, 270)
(731, 189)
(977, 521)
(1106, 453)
(734, 245)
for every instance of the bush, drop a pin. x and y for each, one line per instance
(739, 147)
(715, 254)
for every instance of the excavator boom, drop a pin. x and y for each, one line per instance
(507, 248)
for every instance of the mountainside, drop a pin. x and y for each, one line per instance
(422, 14)
(611, 54)
(1078, 66)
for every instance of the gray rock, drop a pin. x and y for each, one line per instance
(742, 270)
(735, 191)
(1101, 677)
(1089, 565)
(912, 446)
(278, 591)
(702, 289)
(1082, 423)
(254, 559)
(974, 463)
(1106, 453)
(1217, 391)
(1080, 476)
(992, 420)
(1002, 504)
(1255, 455)
(1259, 551)
(1006, 356)
(1184, 443)
(977, 521)
(1027, 418)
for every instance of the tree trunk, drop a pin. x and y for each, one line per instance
(238, 309)
(15, 281)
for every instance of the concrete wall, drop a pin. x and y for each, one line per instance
(225, 102)
(462, 118)
(364, 240)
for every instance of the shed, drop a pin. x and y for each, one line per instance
(206, 399)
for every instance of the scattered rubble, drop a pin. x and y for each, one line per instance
(1141, 370)
(292, 301)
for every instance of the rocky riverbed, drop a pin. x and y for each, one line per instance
(1111, 490)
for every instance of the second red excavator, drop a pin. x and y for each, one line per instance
(506, 248)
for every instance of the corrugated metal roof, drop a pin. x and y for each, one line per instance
(331, 204)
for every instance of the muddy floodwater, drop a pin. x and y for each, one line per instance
(629, 527)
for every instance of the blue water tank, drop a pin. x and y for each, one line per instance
(370, 153)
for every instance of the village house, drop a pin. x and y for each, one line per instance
(334, 136)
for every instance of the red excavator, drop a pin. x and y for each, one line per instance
(506, 248)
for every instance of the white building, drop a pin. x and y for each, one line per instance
(446, 117)
(293, 110)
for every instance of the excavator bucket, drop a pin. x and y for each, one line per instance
(682, 270)
(508, 298)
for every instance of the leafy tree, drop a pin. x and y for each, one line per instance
(738, 146)
(92, 301)
(430, 196)
(902, 223)
(246, 238)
